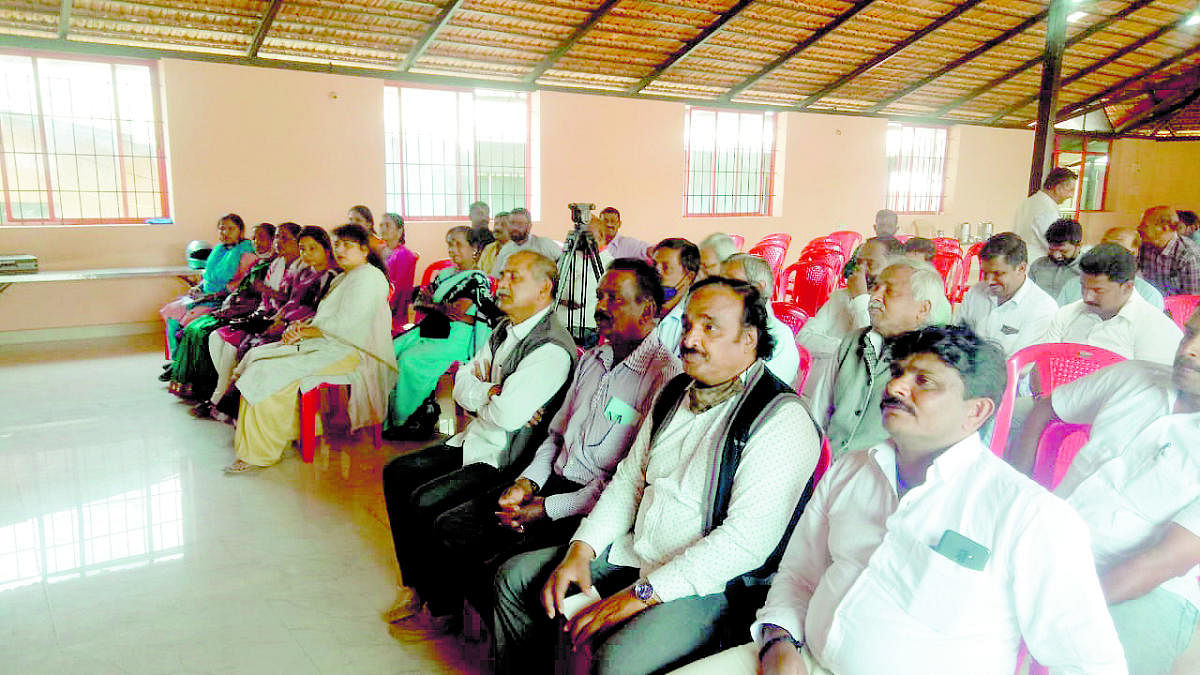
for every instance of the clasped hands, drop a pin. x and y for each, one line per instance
(606, 614)
(519, 506)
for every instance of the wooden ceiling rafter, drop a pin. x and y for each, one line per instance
(690, 46)
(553, 57)
(431, 33)
(263, 28)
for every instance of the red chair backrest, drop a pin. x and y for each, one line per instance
(781, 238)
(738, 240)
(1055, 364)
(948, 265)
(948, 244)
(804, 370)
(847, 239)
(433, 269)
(832, 259)
(808, 285)
(1181, 307)
(790, 314)
(1057, 446)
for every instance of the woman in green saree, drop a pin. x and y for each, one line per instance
(458, 308)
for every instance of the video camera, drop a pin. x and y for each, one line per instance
(581, 213)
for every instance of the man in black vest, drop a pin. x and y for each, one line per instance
(523, 371)
(705, 496)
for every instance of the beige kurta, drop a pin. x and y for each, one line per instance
(353, 318)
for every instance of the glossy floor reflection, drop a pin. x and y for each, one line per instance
(124, 549)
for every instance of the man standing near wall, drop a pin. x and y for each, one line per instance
(480, 213)
(1039, 210)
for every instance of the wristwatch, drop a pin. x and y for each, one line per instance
(643, 591)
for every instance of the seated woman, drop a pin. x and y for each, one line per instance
(453, 328)
(401, 266)
(227, 264)
(191, 370)
(347, 341)
(306, 283)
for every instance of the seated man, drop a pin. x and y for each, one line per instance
(1128, 239)
(784, 361)
(1060, 266)
(1111, 315)
(1006, 306)
(686, 512)
(886, 223)
(678, 262)
(520, 238)
(1169, 261)
(846, 309)
(845, 397)
(927, 553)
(522, 371)
(714, 250)
(612, 390)
(1135, 484)
(620, 246)
(491, 252)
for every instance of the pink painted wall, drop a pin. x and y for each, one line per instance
(278, 145)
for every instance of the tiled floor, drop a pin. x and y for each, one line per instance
(124, 549)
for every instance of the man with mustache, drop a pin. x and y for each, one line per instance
(1006, 306)
(704, 497)
(844, 397)
(521, 372)
(1060, 266)
(521, 238)
(784, 361)
(1039, 211)
(1110, 315)
(1137, 485)
(613, 387)
(1128, 239)
(926, 553)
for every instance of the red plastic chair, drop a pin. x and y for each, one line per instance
(949, 265)
(1057, 446)
(1055, 364)
(433, 269)
(780, 238)
(947, 244)
(790, 314)
(808, 284)
(804, 370)
(738, 240)
(823, 461)
(971, 262)
(822, 243)
(832, 259)
(310, 408)
(847, 239)
(1181, 307)
(773, 254)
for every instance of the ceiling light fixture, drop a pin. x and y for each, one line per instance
(1075, 16)
(1192, 20)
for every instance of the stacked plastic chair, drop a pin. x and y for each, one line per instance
(1055, 364)
(807, 284)
(847, 239)
(773, 252)
(790, 314)
(1181, 307)
(970, 261)
(949, 265)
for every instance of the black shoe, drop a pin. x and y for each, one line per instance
(202, 410)
(165, 376)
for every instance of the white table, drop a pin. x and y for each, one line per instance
(182, 272)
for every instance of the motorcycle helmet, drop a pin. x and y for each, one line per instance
(197, 254)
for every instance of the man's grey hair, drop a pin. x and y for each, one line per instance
(721, 244)
(758, 272)
(926, 286)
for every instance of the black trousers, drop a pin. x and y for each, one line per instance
(419, 487)
(474, 545)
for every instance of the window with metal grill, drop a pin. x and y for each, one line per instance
(81, 141)
(449, 148)
(916, 160)
(730, 163)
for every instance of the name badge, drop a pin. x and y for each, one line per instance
(620, 412)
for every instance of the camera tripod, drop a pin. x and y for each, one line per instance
(579, 272)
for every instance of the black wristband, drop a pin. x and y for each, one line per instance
(777, 639)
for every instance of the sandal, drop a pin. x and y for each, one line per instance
(202, 410)
(241, 467)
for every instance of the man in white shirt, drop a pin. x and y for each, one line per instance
(1040, 210)
(1111, 315)
(784, 361)
(522, 372)
(1007, 306)
(846, 309)
(704, 497)
(678, 263)
(714, 250)
(1137, 485)
(927, 554)
(610, 393)
(521, 239)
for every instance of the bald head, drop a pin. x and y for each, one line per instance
(1159, 226)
